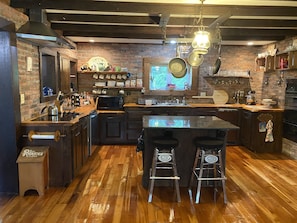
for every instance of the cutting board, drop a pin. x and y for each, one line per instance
(219, 97)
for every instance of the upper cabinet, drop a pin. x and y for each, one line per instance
(48, 74)
(281, 61)
(293, 59)
(67, 74)
(265, 64)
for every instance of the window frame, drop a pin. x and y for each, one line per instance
(149, 61)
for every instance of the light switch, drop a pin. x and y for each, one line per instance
(22, 99)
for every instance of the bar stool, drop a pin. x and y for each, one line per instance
(164, 159)
(208, 158)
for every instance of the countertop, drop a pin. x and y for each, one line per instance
(252, 108)
(87, 109)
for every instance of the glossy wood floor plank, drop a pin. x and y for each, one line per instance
(260, 187)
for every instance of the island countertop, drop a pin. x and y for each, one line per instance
(186, 122)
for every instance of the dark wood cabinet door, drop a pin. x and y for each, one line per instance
(134, 123)
(232, 116)
(112, 128)
(246, 128)
(77, 155)
(85, 138)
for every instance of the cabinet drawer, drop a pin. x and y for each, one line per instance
(137, 115)
(134, 125)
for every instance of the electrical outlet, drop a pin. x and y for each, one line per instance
(22, 99)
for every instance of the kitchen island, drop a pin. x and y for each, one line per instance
(185, 129)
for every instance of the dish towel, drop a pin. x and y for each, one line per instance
(269, 133)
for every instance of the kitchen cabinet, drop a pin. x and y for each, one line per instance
(253, 132)
(85, 128)
(60, 151)
(68, 154)
(67, 73)
(269, 64)
(112, 128)
(80, 149)
(282, 61)
(293, 59)
(48, 67)
(231, 115)
(265, 63)
(77, 153)
(134, 122)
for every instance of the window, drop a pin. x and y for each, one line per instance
(159, 81)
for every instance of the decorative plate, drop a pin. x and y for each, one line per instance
(97, 64)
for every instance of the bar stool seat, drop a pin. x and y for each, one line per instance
(208, 158)
(164, 159)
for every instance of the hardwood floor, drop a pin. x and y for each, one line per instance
(260, 187)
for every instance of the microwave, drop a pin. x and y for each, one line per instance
(107, 102)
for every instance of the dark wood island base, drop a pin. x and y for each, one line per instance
(185, 129)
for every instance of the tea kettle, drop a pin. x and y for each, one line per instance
(52, 110)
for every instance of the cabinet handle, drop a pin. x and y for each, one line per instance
(77, 134)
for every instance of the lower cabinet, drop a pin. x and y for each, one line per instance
(134, 123)
(79, 144)
(67, 154)
(253, 131)
(112, 128)
(77, 154)
(231, 115)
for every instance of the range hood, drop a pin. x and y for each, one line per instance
(38, 31)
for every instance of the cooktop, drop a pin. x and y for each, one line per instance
(65, 116)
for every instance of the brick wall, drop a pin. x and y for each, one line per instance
(234, 59)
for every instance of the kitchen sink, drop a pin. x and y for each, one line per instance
(170, 104)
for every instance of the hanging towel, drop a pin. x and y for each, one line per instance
(269, 133)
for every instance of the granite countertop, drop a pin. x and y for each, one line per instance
(252, 108)
(70, 117)
(186, 122)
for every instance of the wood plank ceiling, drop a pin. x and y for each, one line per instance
(152, 21)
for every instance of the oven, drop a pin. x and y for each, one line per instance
(290, 111)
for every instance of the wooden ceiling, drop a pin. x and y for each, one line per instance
(152, 21)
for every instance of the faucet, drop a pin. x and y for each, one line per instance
(184, 101)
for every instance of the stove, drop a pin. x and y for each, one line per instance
(65, 116)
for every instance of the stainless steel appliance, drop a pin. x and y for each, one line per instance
(93, 132)
(107, 102)
(290, 111)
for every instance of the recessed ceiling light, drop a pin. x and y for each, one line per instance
(91, 41)
(250, 43)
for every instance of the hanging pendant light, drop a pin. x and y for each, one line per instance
(201, 40)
